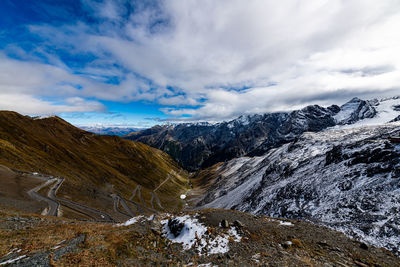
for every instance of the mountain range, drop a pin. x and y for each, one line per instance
(109, 130)
(201, 145)
(334, 166)
(294, 174)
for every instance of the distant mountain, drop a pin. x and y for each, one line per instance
(98, 170)
(110, 130)
(346, 179)
(201, 145)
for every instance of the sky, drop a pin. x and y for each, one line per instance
(140, 63)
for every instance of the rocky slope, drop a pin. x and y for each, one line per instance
(201, 145)
(98, 171)
(346, 179)
(196, 239)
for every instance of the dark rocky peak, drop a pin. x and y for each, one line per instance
(311, 118)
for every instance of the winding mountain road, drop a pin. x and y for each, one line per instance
(54, 201)
(53, 205)
(117, 200)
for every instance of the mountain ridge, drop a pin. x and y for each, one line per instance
(201, 145)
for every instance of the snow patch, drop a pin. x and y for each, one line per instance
(12, 260)
(131, 221)
(43, 117)
(286, 223)
(192, 229)
(194, 235)
(16, 250)
(256, 257)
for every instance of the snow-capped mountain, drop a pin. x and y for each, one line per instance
(356, 110)
(347, 179)
(358, 113)
(201, 145)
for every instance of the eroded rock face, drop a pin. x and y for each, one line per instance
(346, 179)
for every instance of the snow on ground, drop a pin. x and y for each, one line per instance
(285, 223)
(194, 235)
(131, 221)
(256, 257)
(12, 260)
(43, 117)
(190, 231)
(16, 250)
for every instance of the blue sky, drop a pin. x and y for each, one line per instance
(138, 63)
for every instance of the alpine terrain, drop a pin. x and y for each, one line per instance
(346, 178)
(320, 187)
(201, 145)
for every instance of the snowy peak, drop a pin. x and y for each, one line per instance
(201, 145)
(355, 110)
(358, 113)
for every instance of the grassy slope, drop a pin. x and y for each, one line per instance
(88, 162)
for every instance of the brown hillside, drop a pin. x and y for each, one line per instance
(93, 166)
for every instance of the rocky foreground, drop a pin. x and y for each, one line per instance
(204, 238)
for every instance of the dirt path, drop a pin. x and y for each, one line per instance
(117, 199)
(137, 190)
(169, 176)
(134, 192)
(126, 207)
(155, 196)
(53, 205)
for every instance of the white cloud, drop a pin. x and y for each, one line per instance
(306, 48)
(309, 51)
(25, 86)
(28, 104)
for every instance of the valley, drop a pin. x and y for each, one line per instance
(317, 170)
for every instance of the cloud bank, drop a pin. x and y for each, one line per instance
(208, 60)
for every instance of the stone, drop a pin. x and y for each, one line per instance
(175, 226)
(364, 246)
(224, 224)
(287, 244)
(238, 223)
